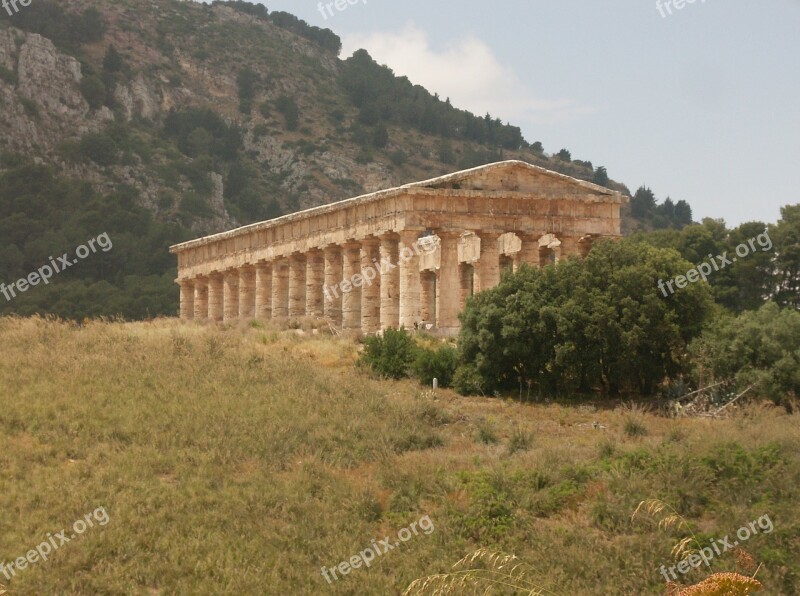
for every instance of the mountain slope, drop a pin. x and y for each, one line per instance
(209, 117)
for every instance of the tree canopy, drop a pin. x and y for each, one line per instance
(581, 325)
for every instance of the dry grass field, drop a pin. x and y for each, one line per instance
(243, 460)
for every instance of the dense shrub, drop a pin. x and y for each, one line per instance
(438, 364)
(389, 355)
(94, 91)
(288, 107)
(99, 148)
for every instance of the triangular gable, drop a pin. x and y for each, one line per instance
(513, 175)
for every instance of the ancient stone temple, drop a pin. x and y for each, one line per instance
(408, 256)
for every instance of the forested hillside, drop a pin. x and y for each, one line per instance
(201, 118)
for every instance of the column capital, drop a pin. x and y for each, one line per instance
(488, 234)
(449, 234)
(370, 241)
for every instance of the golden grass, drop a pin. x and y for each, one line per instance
(241, 460)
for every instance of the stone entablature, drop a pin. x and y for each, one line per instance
(481, 220)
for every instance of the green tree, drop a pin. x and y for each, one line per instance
(683, 214)
(601, 176)
(112, 61)
(246, 82)
(759, 348)
(643, 203)
(582, 324)
(786, 236)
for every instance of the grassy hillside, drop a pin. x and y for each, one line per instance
(242, 460)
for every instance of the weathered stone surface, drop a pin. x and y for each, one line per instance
(405, 256)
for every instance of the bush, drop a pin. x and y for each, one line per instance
(288, 107)
(99, 148)
(93, 91)
(486, 434)
(634, 428)
(468, 381)
(389, 355)
(438, 364)
(519, 441)
(399, 157)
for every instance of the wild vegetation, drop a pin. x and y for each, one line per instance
(242, 460)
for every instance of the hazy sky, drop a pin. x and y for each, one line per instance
(701, 105)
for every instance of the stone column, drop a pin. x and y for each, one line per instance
(297, 285)
(410, 284)
(263, 291)
(428, 297)
(187, 299)
(247, 292)
(201, 299)
(390, 282)
(215, 292)
(488, 267)
(371, 288)
(448, 286)
(231, 296)
(466, 274)
(530, 249)
(333, 290)
(280, 289)
(585, 245)
(569, 247)
(549, 250)
(315, 280)
(351, 295)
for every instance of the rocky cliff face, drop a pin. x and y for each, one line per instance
(42, 104)
(43, 108)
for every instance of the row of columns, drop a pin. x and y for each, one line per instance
(368, 285)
